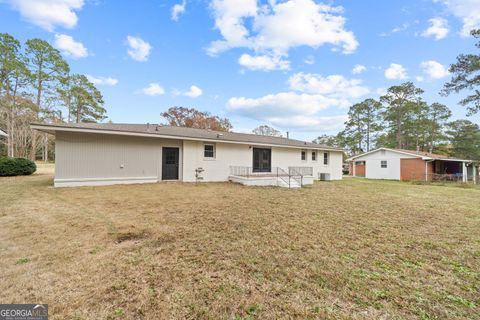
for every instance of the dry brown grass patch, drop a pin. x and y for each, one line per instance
(349, 249)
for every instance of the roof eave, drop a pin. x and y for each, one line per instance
(411, 154)
(52, 129)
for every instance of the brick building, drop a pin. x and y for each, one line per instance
(407, 165)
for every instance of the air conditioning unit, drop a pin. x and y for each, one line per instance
(324, 176)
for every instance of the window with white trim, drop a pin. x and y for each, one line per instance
(383, 163)
(314, 155)
(209, 151)
(325, 158)
(304, 155)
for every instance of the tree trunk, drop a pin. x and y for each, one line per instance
(12, 119)
(39, 99)
(45, 148)
(432, 134)
(399, 132)
(11, 132)
(9, 137)
(368, 130)
(79, 110)
(69, 106)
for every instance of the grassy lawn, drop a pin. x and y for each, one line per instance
(349, 249)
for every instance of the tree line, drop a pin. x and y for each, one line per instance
(402, 119)
(36, 85)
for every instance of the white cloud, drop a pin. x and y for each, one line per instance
(401, 28)
(49, 13)
(263, 62)
(108, 81)
(467, 10)
(153, 89)
(396, 72)
(419, 78)
(309, 60)
(229, 20)
(438, 29)
(283, 104)
(434, 70)
(335, 86)
(301, 108)
(70, 47)
(194, 92)
(178, 10)
(274, 28)
(334, 123)
(138, 48)
(287, 109)
(357, 69)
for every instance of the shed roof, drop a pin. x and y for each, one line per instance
(420, 154)
(178, 133)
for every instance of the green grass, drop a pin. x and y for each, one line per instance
(337, 250)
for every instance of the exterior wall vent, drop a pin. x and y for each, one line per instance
(324, 176)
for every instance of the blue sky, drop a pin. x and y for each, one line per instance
(294, 64)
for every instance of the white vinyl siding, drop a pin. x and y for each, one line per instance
(88, 156)
(93, 159)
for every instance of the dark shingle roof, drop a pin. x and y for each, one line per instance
(426, 154)
(183, 132)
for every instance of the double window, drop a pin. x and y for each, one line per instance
(383, 163)
(209, 151)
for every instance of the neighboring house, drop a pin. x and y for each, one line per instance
(2, 133)
(102, 154)
(407, 165)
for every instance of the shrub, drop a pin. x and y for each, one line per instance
(16, 167)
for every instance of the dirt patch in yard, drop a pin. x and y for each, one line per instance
(350, 249)
(129, 236)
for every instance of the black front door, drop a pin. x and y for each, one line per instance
(262, 160)
(170, 163)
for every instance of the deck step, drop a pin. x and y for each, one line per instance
(293, 184)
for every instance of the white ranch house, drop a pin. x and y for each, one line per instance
(89, 154)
